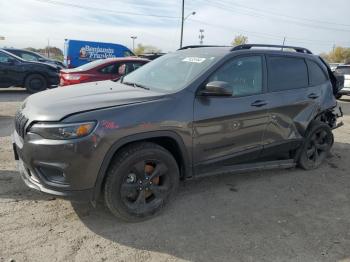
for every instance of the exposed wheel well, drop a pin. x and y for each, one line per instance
(327, 117)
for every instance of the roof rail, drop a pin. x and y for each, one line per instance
(249, 46)
(198, 46)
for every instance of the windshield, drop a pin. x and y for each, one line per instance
(171, 72)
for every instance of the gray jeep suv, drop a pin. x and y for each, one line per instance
(195, 112)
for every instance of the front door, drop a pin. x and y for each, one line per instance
(229, 130)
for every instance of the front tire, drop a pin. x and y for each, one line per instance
(142, 179)
(317, 145)
(35, 83)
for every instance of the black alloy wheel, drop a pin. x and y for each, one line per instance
(141, 181)
(317, 145)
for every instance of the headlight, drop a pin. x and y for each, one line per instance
(63, 131)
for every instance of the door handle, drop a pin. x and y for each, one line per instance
(312, 96)
(259, 103)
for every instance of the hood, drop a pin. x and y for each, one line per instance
(55, 104)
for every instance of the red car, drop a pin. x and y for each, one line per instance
(104, 69)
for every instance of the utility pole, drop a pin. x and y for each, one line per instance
(182, 21)
(133, 37)
(48, 47)
(201, 36)
(284, 41)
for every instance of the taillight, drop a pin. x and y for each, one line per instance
(71, 77)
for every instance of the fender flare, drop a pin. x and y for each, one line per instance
(135, 138)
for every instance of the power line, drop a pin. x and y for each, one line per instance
(261, 35)
(283, 18)
(58, 3)
(235, 4)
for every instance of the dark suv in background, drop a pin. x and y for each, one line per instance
(34, 76)
(195, 112)
(32, 56)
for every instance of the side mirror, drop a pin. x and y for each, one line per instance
(40, 59)
(217, 88)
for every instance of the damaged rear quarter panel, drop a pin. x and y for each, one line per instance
(292, 111)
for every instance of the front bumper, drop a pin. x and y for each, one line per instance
(65, 169)
(32, 181)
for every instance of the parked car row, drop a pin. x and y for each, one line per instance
(36, 73)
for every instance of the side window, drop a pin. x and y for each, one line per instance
(4, 58)
(316, 74)
(243, 74)
(110, 69)
(29, 57)
(131, 67)
(286, 73)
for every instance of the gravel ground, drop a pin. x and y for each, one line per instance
(283, 215)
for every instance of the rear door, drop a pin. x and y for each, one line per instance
(229, 130)
(292, 100)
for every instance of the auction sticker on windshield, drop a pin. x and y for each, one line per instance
(194, 59)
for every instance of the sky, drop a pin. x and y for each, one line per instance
(314, 24)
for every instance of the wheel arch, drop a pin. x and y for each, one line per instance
(167, 139)
(34, 73)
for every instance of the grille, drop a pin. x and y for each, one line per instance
(20, 123)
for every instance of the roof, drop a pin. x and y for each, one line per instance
(248, 48)
(126, 58)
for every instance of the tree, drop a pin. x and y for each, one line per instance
(337, 55)
(141, 49)
(240, 40)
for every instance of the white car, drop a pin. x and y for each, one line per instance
(334, 66)
(344, 70)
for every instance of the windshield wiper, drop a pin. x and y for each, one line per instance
(135, 85)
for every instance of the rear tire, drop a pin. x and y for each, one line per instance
(141, 180)
(317, 145)
(35, 83)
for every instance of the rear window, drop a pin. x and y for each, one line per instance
(286, 73)
(316, 74)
